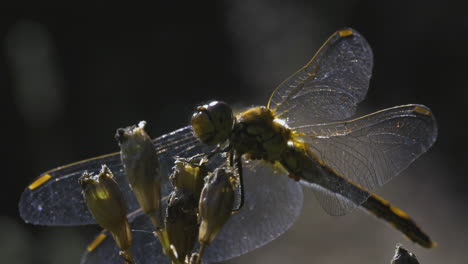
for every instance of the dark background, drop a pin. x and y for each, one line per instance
(70, 77)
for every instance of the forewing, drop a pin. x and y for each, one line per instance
(272, 203)
(59, 201)
(370, 150)
(55, 197)
(330, 86)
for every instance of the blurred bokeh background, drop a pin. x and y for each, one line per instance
(70, 77)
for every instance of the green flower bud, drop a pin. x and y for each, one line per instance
(182, 222)
(106, 204)
(188, 176)
(216, 204)
(141, 164)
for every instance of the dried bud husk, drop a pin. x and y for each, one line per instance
(403, 256)
(106, 204)
(189, 175)
(216, 204)
(141, 164)
(182, 222)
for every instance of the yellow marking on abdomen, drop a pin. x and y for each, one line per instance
(421, 110)
(398, 219)
(92, 246)
(345, 32)
(39, 181)
(392, 208)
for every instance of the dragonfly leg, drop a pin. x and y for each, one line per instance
(219, 149)
(294, 176)
(238, 164)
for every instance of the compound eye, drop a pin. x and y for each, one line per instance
(212, 123)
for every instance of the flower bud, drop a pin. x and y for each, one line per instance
(216, 204)
(106, 204)
(188, 176)
(141, 164)
(182, 222)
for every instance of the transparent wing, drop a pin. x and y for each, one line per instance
(105, 252)
(272, 204)
(370, 150)
(55, 197)
(330, 86)
(336, 194)
(145, 249)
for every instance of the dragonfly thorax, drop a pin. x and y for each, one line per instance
(257, 134)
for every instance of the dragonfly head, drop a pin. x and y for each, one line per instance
(213, 122)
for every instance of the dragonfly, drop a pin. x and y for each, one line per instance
(306, 129)
(316, 103)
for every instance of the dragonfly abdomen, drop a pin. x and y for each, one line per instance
(310, 170)
(398, 219)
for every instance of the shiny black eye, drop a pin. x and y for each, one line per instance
(212, 123)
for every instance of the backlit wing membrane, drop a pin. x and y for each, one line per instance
(330, 86)
(59, 200)
(148, 250)
(370, 150)
(145, 248)
(272, 204)
(55, 197)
